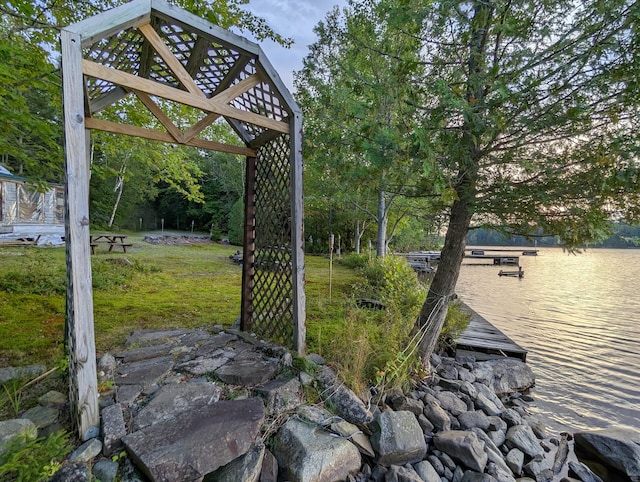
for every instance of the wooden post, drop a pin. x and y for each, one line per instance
(249, 244)
(83, 384)
(297, 234)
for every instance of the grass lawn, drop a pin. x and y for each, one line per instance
(164, 287)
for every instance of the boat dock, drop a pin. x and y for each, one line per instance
(484, 341)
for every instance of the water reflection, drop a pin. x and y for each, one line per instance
(578, 315)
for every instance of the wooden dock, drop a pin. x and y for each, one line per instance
(484, 341)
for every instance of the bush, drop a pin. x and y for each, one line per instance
(28, 460)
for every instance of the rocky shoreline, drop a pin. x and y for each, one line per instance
(221, 405)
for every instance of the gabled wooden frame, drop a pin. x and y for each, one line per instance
(221, 74)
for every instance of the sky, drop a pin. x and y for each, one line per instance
(295, 19)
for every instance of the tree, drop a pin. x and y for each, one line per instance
(358, 126)
(525, 115)
(531, 117)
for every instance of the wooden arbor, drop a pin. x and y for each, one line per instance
(164, 55)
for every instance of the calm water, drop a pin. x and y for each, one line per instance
(579, 317)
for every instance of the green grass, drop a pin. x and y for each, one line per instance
(198, 286)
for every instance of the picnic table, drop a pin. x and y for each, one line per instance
(118, 240)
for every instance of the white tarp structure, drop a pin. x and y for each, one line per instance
(27, 212)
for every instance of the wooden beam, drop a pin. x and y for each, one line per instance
(199, 52)
(236, 90)
(172, 62)
(135, 131)
(133, 82)
(168, 124)
(199, 126)
(107, 99)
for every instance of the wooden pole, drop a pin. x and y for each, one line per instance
(83, 384)
(297, 235)
(331, 238)
(249, 244)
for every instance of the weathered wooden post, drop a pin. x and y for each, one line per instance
(83, 384)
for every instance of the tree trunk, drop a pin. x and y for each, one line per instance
(442, 289)
(381, 248)
(358, 236)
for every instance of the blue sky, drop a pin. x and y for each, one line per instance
(291, 18)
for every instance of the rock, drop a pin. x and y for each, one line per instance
(144, 353)
(269, 472)
(72, 472)
(538, 427)
(511, 417)
(498, 437)
(196, 442)
(583, 472)
(397, 473)
(539, 470)
(522, 437)
(451, 403)
(18, 373)
(436, 463)
(437, 416)
(315, 358)
(42, 416)
(127, 394)
(501, 474)
(504, 376)
(464, 447)
(447, 461)
(86, 452)
(248, 371)
(315, 414)
(113, 429)
(397, 438)
(410, 405)
(346, 403)
(487, 405)
(246, 468)
(14, 429)
(203, 365)
(172, 400)
(476, 418)
(617, 447)
(425, 424)
(426, 471)
(53, 399)
(515, 461)
(307, 453)
(472, 476)
(280, 395)
(106, 367)
(354, 435)
(105, 470)
(145, 372)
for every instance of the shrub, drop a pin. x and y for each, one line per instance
(36, 459)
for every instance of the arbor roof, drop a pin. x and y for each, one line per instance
(153, 50)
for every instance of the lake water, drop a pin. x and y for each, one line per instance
(579, 317)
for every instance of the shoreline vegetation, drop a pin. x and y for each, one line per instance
(194, 286)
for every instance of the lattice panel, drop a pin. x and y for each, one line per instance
(213, 66)
(272, 314)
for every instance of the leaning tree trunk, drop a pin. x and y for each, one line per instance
(442, 289)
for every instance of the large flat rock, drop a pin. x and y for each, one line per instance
(197, 442)
(617, 447)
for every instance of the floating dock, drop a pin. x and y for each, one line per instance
(484, 341)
